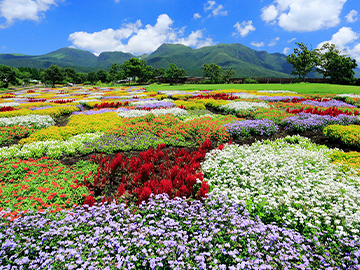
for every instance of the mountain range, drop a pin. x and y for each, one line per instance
(245, 61)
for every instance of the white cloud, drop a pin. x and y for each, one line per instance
(342, 39)
(304, 15)
(197, 16)
(244, 28)
(273, 42)
(216, 10)
(291, 40)
(286, 50)
(138, 39)
(257, 44)
(22, 10)
(269, 13)
(351, 16)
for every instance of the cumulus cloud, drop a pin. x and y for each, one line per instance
(216, 10)
(244, 28)
(197, 16)
(273, 42)
(304, 15)
(269, 13)
(286, 50)
(12, 10)
(343, 40)
(257, 44)
(352, 16)
(138, 39)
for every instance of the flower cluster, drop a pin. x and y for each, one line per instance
(314, 122)
(314, 193)
(330, 103)
(243, 108)
(349, 135)
(240, 129)
(31, 121)
(140, 113)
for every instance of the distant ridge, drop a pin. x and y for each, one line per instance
(245, 61)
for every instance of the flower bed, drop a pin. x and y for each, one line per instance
(349, 135)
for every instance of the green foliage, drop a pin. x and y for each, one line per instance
(250, 81)
(137, 68)
(54, 74)
(335, 65)
(7, 75)
(302, 59)
(174, 73)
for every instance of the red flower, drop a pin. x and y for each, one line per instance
(89, 200)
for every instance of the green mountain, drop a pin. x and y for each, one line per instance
(245, 61)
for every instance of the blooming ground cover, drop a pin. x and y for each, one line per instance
(122, 178)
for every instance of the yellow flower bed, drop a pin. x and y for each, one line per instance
(189, 105)
(348, 160)
(212, 102)
(78, 124)
(349, 135)
(20, 112)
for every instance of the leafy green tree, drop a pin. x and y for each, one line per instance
(173, 73)
(135, 68)
(303, 60)
(91, 77)
(7, 75)
(71, 75)
(114, 72)
(102, 75)
(227, 74)
(53, 74)
(213, 71)
(82, 77)
(332, 63)
(159, 72)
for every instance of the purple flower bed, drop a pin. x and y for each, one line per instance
(216, 234)
(331, 103)
(90, 112)
(160, 104)
(240, 129)
(277, 98)
(314, 122)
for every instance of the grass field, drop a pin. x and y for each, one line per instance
(301, 88)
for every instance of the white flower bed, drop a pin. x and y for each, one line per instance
(140, 113)
(11, 104)
(38, 121)
(296, 181)
(244, 95)
(244, 106)
(52, 149)
(348, 95)
(141, 102)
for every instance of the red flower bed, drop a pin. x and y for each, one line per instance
(62, 101)
(7, 109)
(153, 171)
(30, 91)
(295, 100)
(36, 100)
(222, 96)
(110, 105)
(332, 111)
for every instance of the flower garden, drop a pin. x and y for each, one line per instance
(123, 178)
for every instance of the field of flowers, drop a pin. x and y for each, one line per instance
(124, 178)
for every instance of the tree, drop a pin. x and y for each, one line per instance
(91, 77)
(114, 72)
(54, 74)
(303, 60)
(174, 73)
(159, 72)
(227, 74)
(7, 75)
(102, 75)
(213, 71)
(135, 68)
(332, 63)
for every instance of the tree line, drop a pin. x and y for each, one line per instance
(132, 70)
(327, 60)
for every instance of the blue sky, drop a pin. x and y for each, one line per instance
(36, 27)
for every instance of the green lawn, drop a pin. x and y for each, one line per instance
(301, 88)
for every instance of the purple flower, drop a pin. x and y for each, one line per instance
(239, 129)
(330, 103)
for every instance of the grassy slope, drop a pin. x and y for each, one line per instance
(301, 88)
